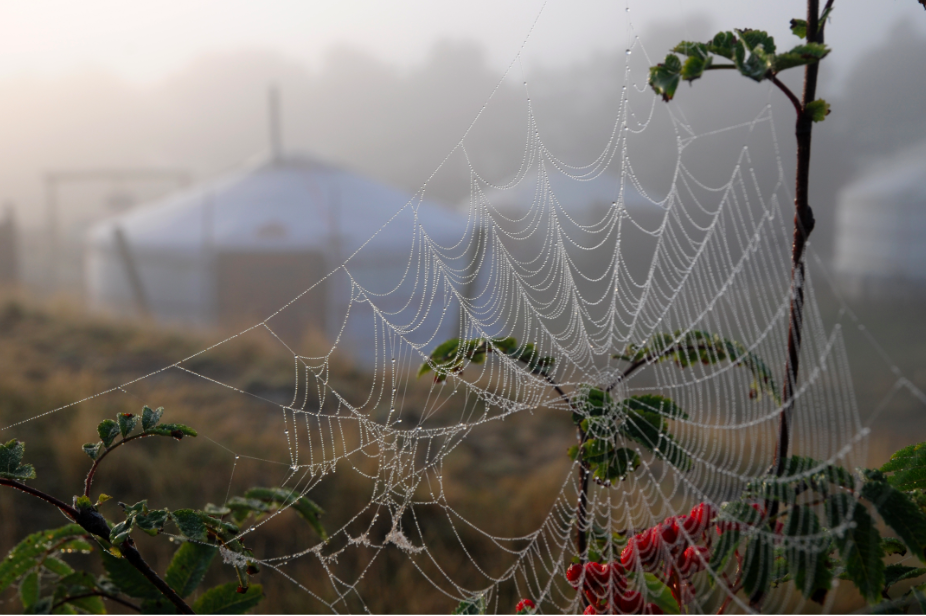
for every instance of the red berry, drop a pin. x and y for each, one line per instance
(629, 603)
(573, 573)
(590, 610)
(668, 530)
(524, 605)
(629, 555)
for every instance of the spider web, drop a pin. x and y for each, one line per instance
(668, 253)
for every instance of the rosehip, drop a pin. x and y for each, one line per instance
(692, 560)
(573, 573)
(590, 610)
(524, 605)
(629, 603)
(668, 531)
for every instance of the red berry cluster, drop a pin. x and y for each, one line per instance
(667, 550)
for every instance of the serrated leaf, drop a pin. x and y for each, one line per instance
(664, 78)
(108, 431)
(175, 430)
(617, 465)
(149, 418)
(859, 544)
(473, 605)
(305, 507)
(127, 423)
(899, 573)
(694, 67)
(121, 531)
(818, 109)
(771, 488)
(57, 566)
(801, 55)
(654, 404)
(649, 430)
(807, 552)
(128, 579)
(757, 564)
(190, 523)
(29, 590)
(27, 552)
(892, 546)
(727, 543)
(153, 521)
(11, 466)
(213, 509)
(226, 599)
(908, 467)
(898, 512)
(93, 449)
(188, 567)
(799, 28)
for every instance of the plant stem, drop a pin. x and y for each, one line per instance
(90, 474)
(131, 554)
(803, 225)
(66, 509)
(96, 593)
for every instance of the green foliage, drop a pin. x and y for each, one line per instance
(274, 499)
(188, 567)
(28, 552)
(473, 605)
(807, 556)
(149, 418)
(818, 109)
(451, 357)
(659, 594)
(108, 431)
(859, 544)
(907, 468)
(175, 430)
(11, 464)
(757, 564)
(898, 512)
(128, 579)
(229, 599)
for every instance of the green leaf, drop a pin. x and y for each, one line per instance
(127, 578)
(757, 564)
(899, 573)
(818, 109)
(573, 452)
(649, 430)
(176, 430)
(307, 509)
(226, 599)
(127, 423)
(188, 567)
(121, 531)
(108, 431)
(801, 55)
(807, 552)
(755, 54)
(908, 467)
(916, 591)
(93, 449)
(11, 466)
(158, 606)
(664, 78)
(212, 509)
(799, 28)
(859, 544)
(654, 404)
(58, 566)
(152, 522)
(892, 546)
(27, 552)
(443, 359)
(724, 548)
(29, 590)
(771, 488)
(694, 67)
(617, 465)
(473, 605)
(149, 418)
(899, 512)
(190, 523)
(658, 593)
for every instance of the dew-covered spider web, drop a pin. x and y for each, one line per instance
(653, 325)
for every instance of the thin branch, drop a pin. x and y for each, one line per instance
(131, 554)
(791, 96)
(89, 480)
(66, 509)
(96, 593)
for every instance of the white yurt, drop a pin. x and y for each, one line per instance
(233, 251)
(880, 226)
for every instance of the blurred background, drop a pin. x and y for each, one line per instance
(125, 127)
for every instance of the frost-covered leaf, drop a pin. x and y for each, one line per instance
(908, 467)
(108, 431)
(127, 423)
(226, 599)
(93, 449)
(859, 544)
(191, 524)
(899, 512)
(11, 464)
(188, 567)
(175, 430)
(149, 418)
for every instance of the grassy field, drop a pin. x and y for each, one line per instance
(503, 478)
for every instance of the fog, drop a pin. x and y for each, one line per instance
(397, 124)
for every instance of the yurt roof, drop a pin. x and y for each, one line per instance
(282, 205)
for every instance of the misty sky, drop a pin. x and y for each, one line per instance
(145, 41)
